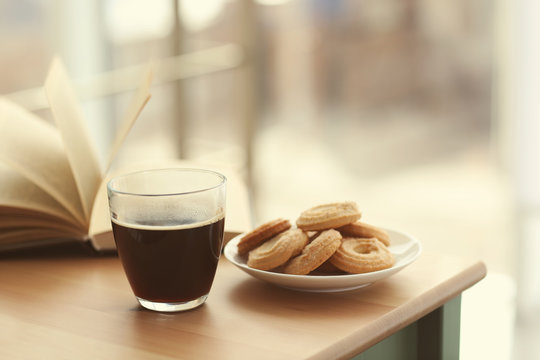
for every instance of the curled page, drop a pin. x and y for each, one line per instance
(136, 105)
(16, 191)
(34, 149)
(69, 119)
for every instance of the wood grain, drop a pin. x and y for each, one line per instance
(82, 307)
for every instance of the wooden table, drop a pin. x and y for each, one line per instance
(75, 306)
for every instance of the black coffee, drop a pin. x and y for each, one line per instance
(175, 264)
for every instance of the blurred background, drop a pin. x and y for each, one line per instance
(423, 112)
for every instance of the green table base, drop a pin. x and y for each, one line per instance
(433, 337)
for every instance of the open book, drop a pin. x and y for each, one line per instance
(52, 187)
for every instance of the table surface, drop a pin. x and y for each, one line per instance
(80, 306)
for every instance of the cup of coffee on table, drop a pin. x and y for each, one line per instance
(168, 225)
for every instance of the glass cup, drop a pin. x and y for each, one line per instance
(168, 226)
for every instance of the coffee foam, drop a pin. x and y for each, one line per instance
(186, 211)
(186, 220)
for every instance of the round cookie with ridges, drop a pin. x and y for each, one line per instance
(262, 233)
(328, 216)
(361, 255)
(362, 230)
(315, 253)
(278, 250)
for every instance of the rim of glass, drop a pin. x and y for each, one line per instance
(192, 170)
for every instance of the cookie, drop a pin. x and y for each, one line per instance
(278, 250)
(362, 230)
(262, 233)
(328, 216)
(315, 253)
(362, 255)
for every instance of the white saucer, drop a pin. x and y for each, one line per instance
(405, 248)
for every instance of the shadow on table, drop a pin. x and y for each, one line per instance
(258, 296)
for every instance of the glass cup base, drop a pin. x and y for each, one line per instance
(172, 306)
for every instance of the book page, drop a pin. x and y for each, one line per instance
(24, 237)
(136, 105)
(35, 150)
(38, 220)
(18, 192)
(69, 119)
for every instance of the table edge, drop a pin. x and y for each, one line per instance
(404, 315)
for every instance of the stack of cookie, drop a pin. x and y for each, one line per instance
(327, 237)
